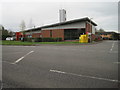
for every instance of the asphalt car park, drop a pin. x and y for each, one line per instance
(61, 66)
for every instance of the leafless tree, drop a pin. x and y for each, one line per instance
(22, 26)
(30, 25)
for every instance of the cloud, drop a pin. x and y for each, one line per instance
(105, 14)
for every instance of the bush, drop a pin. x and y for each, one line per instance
(58, 39)
(37, 39)
(51, 39)
(4, 37)
(28, 39)
(47, 39)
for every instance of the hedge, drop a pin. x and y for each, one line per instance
(47, 39)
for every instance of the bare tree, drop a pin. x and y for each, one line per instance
(22, 26)
(30, 25)
(101, 30)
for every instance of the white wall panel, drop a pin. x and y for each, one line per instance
(68, 26)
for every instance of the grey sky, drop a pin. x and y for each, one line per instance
(105, 14)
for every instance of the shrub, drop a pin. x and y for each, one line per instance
(51, 39)
(4, 37)
(47, 39)
(37, 39)
(58, 39)
(28, 39)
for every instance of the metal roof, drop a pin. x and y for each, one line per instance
(71, 21)
(64, 23)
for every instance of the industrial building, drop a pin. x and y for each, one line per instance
(67, 30)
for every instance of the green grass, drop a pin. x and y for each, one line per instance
(16, 43)
(0, 42)
(33, 43)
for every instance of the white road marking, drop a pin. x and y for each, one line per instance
(79, 75)
(112, 46)
(19, 60)
(22, 57)
(8, 62)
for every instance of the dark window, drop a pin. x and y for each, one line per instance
(73, 34)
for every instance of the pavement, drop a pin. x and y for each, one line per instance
(61, 66)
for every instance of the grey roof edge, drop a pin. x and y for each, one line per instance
(71, 21)
(63, 23)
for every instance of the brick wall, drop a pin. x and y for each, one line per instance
(88, 28)
(45, 33)
(36, 35)
(55, 33)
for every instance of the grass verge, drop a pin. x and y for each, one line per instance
(34, 43)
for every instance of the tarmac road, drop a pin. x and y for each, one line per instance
(61, 66)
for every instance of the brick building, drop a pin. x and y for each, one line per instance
(68, 30)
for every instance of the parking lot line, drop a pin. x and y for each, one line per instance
(112, 46)
(18, 60)
(111, 49)
(8, 62)
(80, 75)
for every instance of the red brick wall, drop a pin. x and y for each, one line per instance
(58, 33)
(36, 35)
(55, 33)
(88, 28)
(45, 33)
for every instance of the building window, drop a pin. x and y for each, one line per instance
(50, 33)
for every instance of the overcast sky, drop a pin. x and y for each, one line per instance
(105, 14)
